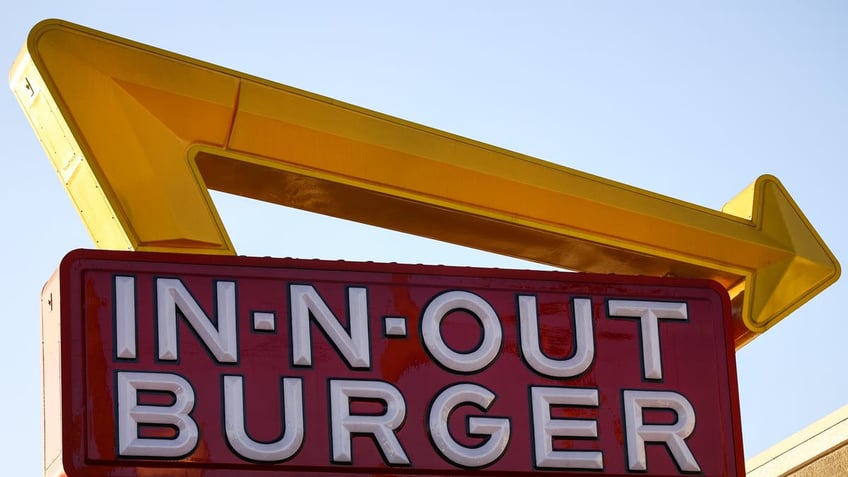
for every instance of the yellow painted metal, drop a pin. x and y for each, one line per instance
(138, 135)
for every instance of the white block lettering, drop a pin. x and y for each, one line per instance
(131, 416)
(172, 295)
(648, 313)
(353, 346)
(495, 429)
(234, 426)
(545, 428)
(382, 427)
(584, 345)
(431, 332)
(672, 435)
(125, 321)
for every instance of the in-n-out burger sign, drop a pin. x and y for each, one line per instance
(239, 366)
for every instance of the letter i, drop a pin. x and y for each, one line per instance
(124, 314)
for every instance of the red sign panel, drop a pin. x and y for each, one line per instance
(228, 366)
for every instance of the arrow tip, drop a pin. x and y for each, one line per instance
(807, 267)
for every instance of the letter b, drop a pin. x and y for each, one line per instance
(132, 415)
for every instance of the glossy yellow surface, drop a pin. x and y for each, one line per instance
(138, 135)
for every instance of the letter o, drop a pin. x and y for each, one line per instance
(471, 361)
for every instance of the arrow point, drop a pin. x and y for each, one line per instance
(808, 267)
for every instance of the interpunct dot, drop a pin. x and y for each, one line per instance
(395, 326)
(264, 321)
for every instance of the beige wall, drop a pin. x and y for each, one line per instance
(819, 450)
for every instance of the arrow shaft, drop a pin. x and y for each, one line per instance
(373, 152)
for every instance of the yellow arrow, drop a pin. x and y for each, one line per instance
(138, 134)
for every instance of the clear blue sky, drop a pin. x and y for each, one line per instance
(689, 99)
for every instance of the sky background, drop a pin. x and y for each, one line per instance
(692, 100)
